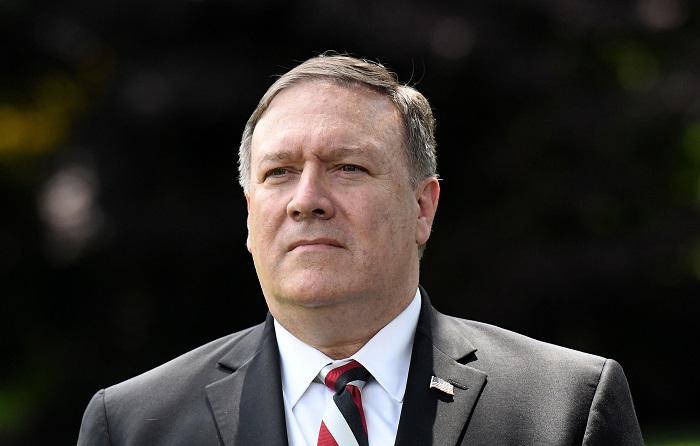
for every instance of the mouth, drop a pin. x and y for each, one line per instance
(314, 244)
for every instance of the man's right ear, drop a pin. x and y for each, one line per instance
(247, 223)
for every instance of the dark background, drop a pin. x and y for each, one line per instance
(569, 147)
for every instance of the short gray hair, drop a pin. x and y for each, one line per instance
(346, 70)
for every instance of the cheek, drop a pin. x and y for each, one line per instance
(387, 224)
(260, 225)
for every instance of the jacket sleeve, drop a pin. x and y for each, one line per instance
(94, 430)
(612, 419)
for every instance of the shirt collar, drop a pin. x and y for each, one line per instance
(387, 356)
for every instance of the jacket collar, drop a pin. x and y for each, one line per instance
(440, 349)
(247, 405)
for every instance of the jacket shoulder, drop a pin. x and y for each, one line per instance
(169, 398)
(546, 385)
(200, 365)
(493, 343)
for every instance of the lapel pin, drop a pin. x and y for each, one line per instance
(442, 385)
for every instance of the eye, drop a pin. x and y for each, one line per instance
(350, 168)
(276, 172)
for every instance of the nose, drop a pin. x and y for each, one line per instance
(311, 198)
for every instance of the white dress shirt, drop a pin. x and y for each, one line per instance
(386, 356)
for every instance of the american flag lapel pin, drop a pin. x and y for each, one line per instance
(441, 385)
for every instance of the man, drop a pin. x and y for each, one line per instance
(339, 172)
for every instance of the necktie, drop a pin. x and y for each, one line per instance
(343, 421)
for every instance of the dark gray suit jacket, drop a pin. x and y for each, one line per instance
(509, 390)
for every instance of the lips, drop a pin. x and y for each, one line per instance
(315, 243)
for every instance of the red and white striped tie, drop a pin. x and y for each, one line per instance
(343, 421)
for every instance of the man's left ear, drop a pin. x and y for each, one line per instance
(247, 223)
(427, 196)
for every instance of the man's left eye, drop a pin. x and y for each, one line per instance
(349, 168)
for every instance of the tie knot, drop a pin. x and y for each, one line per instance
(341, 374)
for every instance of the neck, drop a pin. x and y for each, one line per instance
(341, 330)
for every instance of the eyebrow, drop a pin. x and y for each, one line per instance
(332, 153)
(279, 155)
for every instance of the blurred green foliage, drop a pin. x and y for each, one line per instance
(673, 435)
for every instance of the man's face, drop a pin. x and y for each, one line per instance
(332, 216)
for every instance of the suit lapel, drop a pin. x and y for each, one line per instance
(247, 405)
(430, 416)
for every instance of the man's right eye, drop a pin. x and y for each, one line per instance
(279, 171)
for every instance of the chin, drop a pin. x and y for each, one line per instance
(312, 294)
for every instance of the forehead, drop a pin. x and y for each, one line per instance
(323, 108)
(329, 93)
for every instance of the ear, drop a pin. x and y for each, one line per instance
(427, 196)
(247, 224)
